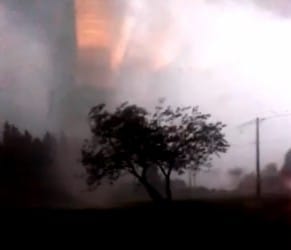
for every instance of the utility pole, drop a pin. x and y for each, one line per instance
(257, 152)
(258, 167)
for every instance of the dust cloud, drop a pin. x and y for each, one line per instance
(25, 73)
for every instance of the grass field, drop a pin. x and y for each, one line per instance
(242, 220)
(205, 212)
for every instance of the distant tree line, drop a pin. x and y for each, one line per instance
(274, 180)
(24, 162)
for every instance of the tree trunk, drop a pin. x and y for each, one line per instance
(168, 188)
(152, 192)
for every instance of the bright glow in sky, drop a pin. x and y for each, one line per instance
(231, 58)
(92, 24)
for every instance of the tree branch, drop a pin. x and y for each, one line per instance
(163, 170)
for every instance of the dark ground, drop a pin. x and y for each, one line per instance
(243, 220)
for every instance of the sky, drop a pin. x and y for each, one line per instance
(230, 57)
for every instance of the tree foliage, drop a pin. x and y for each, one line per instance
(133, 140)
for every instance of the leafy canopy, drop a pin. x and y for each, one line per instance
(133, 140)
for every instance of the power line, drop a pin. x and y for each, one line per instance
(241, 145)
(276, 116)
(257, 121)
(252, 121)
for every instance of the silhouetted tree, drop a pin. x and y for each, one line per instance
(23, 160)
(270, 178)
(287, 162)
(270, 170)
(132, 140)
(286, 170)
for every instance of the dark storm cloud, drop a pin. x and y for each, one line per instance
(279, 7)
